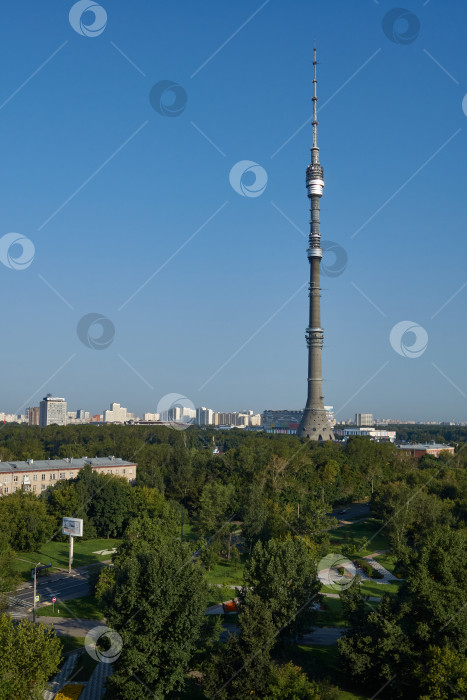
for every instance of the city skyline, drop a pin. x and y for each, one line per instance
(200, 280)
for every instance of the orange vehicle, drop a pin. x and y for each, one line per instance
(230, 607)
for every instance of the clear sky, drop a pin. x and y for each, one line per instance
(114, 194)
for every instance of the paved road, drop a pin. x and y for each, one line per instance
(325, 636)
(63, 586)
(353, 510)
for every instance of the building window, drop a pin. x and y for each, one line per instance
(43, 487)
(34, 488)
(124, 471)
(43, 477)
(117, 471)
(34, 478)
(52, 477)
(71, 475)
(130, 471)
(15, 478)
(5, 490)
(14, 488)
(62, 475)
(6, 479)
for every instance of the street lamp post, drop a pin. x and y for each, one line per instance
(34, 598)
(37, 568)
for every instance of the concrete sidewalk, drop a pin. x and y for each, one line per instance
(73, 626)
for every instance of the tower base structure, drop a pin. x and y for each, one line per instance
(315, 425)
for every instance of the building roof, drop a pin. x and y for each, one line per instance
(67, 463)
(426, 446)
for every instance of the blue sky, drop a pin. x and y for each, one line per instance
(108, 190)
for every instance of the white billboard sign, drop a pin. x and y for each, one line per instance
(72, 526)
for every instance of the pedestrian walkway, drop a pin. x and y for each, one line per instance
(387, 575)
(323, 636)
(61, 677)
(95, 687)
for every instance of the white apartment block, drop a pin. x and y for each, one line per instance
(116, 414)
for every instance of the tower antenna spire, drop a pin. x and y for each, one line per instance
(315, 107)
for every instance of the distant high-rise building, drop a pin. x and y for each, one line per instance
(204, 416)
(52, 411)
(315, 424)
(151, 416)
(33, 414)
(116, 414)
(363, 419)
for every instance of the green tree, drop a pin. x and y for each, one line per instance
(442, 675)
(9, 577)
(109, 508)
(288, 682)
(378, 651)
(216, 506)
(157, 605)
(436, 589)
(241, 667)
(29, 655)
(24, 520)
(284, 576)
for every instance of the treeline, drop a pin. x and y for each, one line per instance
(414, 644)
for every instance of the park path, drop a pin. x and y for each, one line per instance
(95, 687)
(61, 677)
(387, 575)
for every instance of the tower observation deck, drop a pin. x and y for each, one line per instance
(315, 424)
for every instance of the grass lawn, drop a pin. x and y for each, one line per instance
(375, 589)
(70, 643)
(84, 668)
(85, 608)
(371, 588)
(357, 534)
(189, 533)
(332, 615)
(220, 595)
(227, 572)
(57, 553)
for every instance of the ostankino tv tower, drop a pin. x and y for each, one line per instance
(315, 424)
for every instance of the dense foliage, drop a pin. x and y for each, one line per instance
(266, 499)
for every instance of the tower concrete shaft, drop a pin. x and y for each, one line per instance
(315, 424)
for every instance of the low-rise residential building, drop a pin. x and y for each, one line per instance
(37, 475)
(430, 448)
(373, 433)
